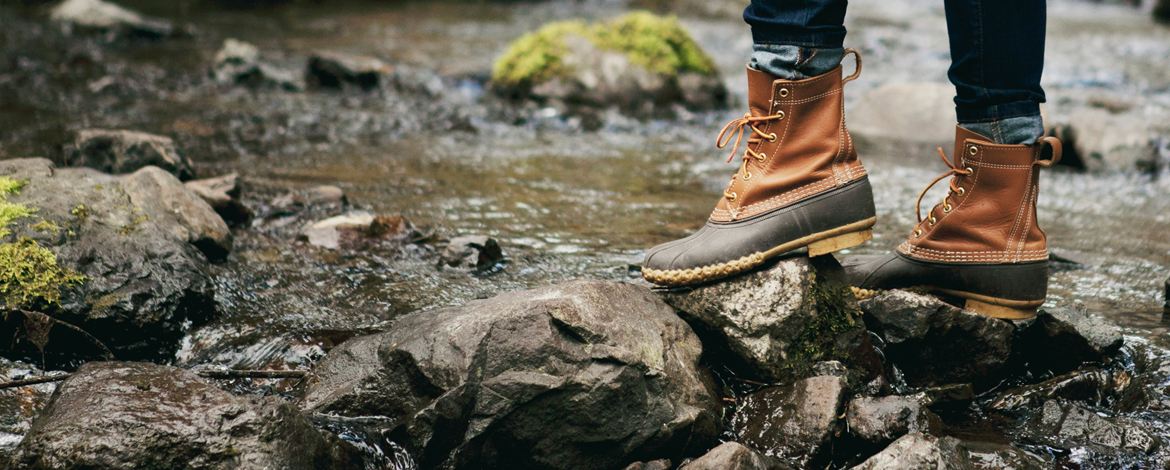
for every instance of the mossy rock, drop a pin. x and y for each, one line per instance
(30, 277)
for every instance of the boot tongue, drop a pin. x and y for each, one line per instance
(760, 92)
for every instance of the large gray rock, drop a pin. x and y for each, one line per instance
(934, 343)
(920, 452)
(1066, 425)
(121, 151)
(581, 375)
(137, 238)
(732, 456)
(881, 420)
(1063, 338)
(795, 422)
(1110, 142)
(109, 17)
(905, 121)
(137, 415)
(778, 323)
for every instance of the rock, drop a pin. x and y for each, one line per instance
(239, 62)
(140, 415)
(920, 452)
(881, 420)
(1066, 425)
(105, 16)
(662, 464)
(475, 252)
(793, 422)
(991, 456)
(352, 229)
(933, 343)
(580, 375)
(1161, 10)
(777, 323)
(120, 151)
(731, 456)
(147, 281)
(950, 395)
(1063, 338)
(325, 194)
(336, 70)
(906, 121)
(1166, 297)
(1104, 141)
(598, 66)
(223, 194)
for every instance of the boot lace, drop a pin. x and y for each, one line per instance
(952, 191)
(757, 136)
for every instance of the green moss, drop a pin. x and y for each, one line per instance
(10, 211)
(29, 274)
(835, 316)
(133, 225)
(659, 44)
(45, 226)
(81, 212)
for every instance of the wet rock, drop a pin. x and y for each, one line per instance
(904, 121)
(472, 252)
(581, 375)
(325, 194)
(991, 456)
(920, 452)
(122, 151)
(223, 194)
(934, 343)
(136, 238)
(1105, 141)
(777, 323)
(1090, 386)
(239, 62)
(732, 456)
(794, 422)
(1161, 11)
(104, 16)
(950, 395)
(139, 415)
(355, 228)
(1062, 338)
(336, 70)
(662, 464)
(1066, 425)
(881, 420)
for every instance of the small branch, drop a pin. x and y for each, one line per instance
(34, 381)
(91, 338)
(252, 374)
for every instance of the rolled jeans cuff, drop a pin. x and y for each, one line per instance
(968, 114)
(827, 40)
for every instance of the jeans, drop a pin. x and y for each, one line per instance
(997, 55)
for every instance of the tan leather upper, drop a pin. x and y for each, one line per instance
(812, 152)
(994, 219)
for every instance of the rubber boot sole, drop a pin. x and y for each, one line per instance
(1004, 309)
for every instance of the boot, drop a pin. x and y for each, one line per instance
(982, 243)
(800, 185)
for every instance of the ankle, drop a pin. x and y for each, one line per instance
(795, 62)
(1018, 130)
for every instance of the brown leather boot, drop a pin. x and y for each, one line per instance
(801, 185)
(982, 242)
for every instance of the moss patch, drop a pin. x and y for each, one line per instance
(29, 275)
(8, 210)
(659, 44)
(835, 316)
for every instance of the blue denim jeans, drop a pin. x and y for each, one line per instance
(997, 55)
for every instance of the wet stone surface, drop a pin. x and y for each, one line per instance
(794, 423)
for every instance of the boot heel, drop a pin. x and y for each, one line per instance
(1000, 311)
(839, 242)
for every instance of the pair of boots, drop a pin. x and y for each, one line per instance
(802, 185)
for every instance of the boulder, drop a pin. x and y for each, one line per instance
(882, 420)
(239, 62)
(135, 239)
(1104, 141)
(1090, 386)
(777, 323)
(337, 70)
(140, 415)
(475, 252)
(934, 343)
(356, 228)
(223, 194)
(732, 456)
(105, 16)
(1066, 425)
(794, 422)
(904, 121)
(121, 151)
(1062, 338)
(920, 452)
(581, 375)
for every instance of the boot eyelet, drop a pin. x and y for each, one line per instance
(780, 114)
(772, 137)
(933, 221)
(973, 150)
(747, 175)
(917, 233)
(783, 92)
(969, 170)
(762, 157)
(730, 196)
(962, 191)
(947, 208)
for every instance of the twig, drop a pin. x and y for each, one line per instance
(34, 381)
(211, 374)
(95, 341)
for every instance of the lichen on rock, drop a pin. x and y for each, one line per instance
(29, 274)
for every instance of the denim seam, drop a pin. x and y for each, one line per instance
(994, 119)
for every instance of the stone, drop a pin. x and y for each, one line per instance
(141, 415)
(148, 282)
(1103, 141)
(991, 456)
(904, 121)
(731, 456)
(1090, 385)
(882, 420)
(581, 375)
(950, 396)
(934, 343)
(920, 452)
(1066, 425)
(1161, 10)
(476, 252)
(356, 228)
(1063, 338)
(325, 194)
(794, 423)
(238, 62)
(106, 16)
(661, 464)
(777, 323)
(223, 194)
(337, 70)
(122, 151)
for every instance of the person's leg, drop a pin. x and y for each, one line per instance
(997, 55)
(795, 39)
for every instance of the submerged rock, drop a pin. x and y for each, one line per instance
(881, 420)
(581, 375)
(139, 415)
(778, 323)
(1066, 425)
(137, 240)
(223, 194)
(934, 343)
(336, 70)
(794, 422)
(355, 228)
(122, 151)
(732, 456)
(475, 252)
(1062, 338)
(1090, 386)
(109, 17)
(920, 452)
(239, 62)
